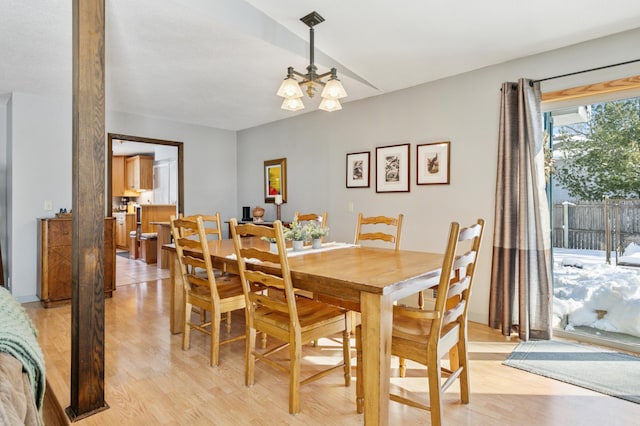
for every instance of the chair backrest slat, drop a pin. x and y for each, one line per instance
(393, 224)
(322, 218)
(452, 315)
(253, 253)
(212, 225)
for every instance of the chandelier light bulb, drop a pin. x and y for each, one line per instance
(330, 105)
(290, 88)
(333, 90)
(292, 104)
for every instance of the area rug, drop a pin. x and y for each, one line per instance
(601, 370)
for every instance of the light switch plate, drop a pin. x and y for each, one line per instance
(48, 205)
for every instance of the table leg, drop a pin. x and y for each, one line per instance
(377, 318)
(176, 318)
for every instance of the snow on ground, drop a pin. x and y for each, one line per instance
(584, 284)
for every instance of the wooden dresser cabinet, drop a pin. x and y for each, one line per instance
(54, 260)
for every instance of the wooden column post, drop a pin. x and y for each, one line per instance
(87, 310)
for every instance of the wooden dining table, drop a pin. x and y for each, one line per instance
(365, 277)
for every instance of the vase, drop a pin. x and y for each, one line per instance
(316, 243)
(297, 245)
(273, 248)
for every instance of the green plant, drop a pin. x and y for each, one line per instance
(295, 232)
(314, 230)
(270, 240)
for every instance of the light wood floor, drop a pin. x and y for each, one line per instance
(149, 379)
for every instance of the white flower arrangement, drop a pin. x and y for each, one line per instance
(315, 230)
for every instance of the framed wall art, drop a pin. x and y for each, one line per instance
(433, 163)
(358, 166)
(275, 180)
(392, 168)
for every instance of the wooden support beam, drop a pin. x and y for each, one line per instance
(605, 87)
(87, 310)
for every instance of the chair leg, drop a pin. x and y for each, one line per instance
(359, 384)
(435, 397)
(346, 351)
(215, 337)
(186, 331)
(229, 322)
(295, 352)
(249, 357)
(355, 321)
(463, 360)
(403, 367)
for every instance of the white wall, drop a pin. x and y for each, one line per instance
(462, 109)
(209, 159)
(41, 169)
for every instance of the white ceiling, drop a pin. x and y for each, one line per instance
(219, 63)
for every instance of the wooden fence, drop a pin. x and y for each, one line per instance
(607, 225)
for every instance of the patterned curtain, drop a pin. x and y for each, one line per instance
(521, 287)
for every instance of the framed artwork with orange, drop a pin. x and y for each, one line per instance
(275, 180)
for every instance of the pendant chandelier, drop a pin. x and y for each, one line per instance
(291, 87)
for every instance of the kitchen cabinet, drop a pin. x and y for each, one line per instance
(54, 260)
(139, 171)
(117, 176)
(125, 223)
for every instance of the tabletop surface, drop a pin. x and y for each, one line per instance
(374, 270)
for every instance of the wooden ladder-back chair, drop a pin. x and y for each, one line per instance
(427, 336)
(380, 228)
(311, 217)
(280, 313)
(320, 218)
(212, 227)
(201, 289)
(394, 227)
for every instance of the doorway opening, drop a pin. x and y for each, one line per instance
(144, 189)
(144, 146)
(595, 201)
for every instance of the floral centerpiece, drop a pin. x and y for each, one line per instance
(315, 232)
(297, 233)
(273, 247)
